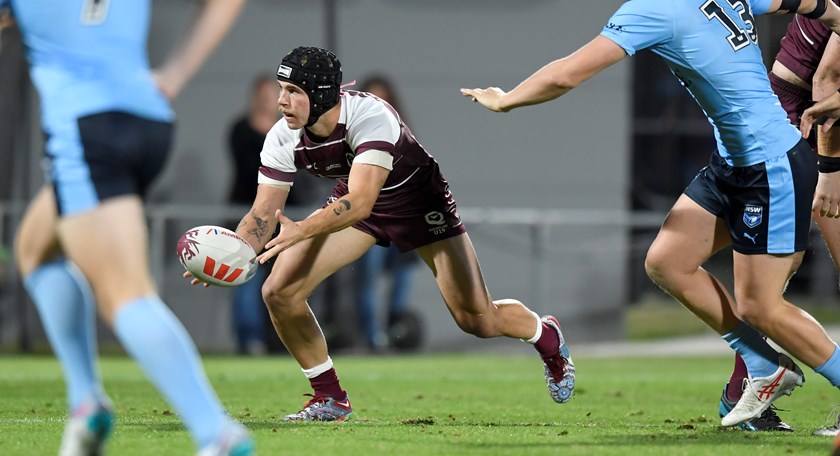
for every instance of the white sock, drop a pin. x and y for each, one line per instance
(533, 340)
(537, 336)
(319, 369)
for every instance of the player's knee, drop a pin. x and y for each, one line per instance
(277, 295)
(478, 325)
(751, 310)
(656, 268)
(27, 255)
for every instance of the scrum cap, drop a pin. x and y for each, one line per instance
(318, 73)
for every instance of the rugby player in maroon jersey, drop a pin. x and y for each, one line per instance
(388, 189)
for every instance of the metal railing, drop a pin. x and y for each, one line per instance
(164, 218)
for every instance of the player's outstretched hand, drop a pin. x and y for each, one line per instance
(290, 234)
(827, 195)
(490, 98)
(194, 281)
(828, 106)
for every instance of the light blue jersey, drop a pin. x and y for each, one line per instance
(711, 46)
(89, 56)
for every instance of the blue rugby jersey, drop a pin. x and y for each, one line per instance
(711, 46)
(89, 56)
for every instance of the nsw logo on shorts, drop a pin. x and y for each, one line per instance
(752, 215)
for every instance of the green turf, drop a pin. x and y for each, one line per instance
(430, 405)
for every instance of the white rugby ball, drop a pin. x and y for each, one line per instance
(217, 256)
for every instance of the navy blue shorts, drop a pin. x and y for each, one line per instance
(107, 155)
(766, 206)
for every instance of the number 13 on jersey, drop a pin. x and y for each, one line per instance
(738, 37)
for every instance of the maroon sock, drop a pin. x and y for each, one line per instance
(736, 381)
(548, 343)
(326, 384)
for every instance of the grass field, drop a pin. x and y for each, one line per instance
(430, 405)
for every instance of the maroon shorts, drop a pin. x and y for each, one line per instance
(411, 220)
(794, 100)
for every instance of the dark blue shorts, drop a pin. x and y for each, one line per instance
(766, 206)
(103, 156)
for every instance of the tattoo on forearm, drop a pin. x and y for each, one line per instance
(344, 207)
(262, 226)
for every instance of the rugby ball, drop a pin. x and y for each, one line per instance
(217, 256)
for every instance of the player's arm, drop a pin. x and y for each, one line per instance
(826, 11)
(364, 183)
(554, 79)
(826, 82)
(827, 76)
(828, 107)
(260, 222)
(209, 27)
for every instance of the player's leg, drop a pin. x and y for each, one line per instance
(67, 310)
(760, 282)
(36, 239)
(109, 243)
(61, 295)
(296, 273)
(766, 256)
(829, 143)
(103, 231)
(458, 275)
(690, 235)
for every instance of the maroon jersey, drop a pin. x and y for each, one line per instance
(803, 46)
(369, 131)
(414, 207)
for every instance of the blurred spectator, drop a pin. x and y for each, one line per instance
(402, 330)
(245, 144)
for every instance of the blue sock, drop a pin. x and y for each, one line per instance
(761, 359)
(68, 313)
(831, 368)
(154, 337)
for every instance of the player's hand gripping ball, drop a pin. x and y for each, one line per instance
(217, 256)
